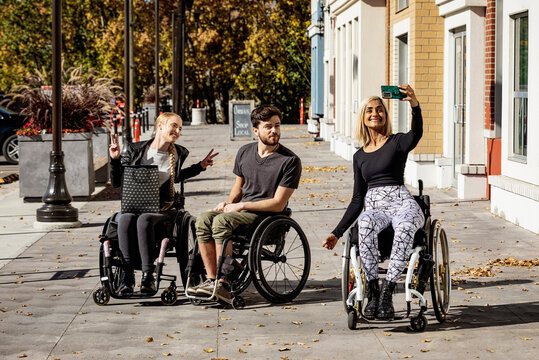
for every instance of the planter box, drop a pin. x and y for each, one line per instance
(34, 153)
(101, 143)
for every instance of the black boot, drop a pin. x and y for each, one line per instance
(128, 283)
(147, 285)
(373, 294)
(385, 305)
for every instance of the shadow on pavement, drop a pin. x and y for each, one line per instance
(480, 316)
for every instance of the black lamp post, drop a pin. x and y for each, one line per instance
(57, 208)
(178, 83)
(126, 124)
(156, 20)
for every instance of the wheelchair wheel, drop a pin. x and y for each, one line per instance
(187, 248)
(116, 270)
(347, 281)
(101, 296)
(241, 254)
(281, 261)
(418, 323)
(352, 319)
(440, 278)
(169, 296)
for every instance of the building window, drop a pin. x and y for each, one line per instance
(402, 4)
(520, 88)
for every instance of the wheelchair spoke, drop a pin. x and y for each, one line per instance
(292, 243)
(290, 266)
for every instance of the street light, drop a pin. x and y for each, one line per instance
(126, 125)
(156, 20)
(178, 76)
(57, 212)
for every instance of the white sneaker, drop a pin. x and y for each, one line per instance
(206, 288)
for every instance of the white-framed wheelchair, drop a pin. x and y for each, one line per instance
(273, 253)
(429, 262)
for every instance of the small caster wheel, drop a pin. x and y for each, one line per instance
(169, 296)
(352, 319)
(195, 302)
(238, 302)
(101, 296)
(418, 323)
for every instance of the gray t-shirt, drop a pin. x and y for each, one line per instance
(263, 175)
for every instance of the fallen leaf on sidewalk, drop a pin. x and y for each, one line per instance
(424, 350)
(22, 356)
(284, 349)
(297, 322)
(526, 338)
(167, 354)
(320, 331)
(149, 339)
(208, 350)
(260, 325)
(241, 351)
(386, 333)
(426, 340)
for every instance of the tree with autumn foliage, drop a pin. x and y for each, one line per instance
(238, 49)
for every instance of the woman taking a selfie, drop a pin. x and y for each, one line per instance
(379, 190)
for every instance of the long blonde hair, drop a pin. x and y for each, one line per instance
(164, 118)
(361, 131)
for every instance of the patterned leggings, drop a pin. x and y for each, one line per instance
(383, 206)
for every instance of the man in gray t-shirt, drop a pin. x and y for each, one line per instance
(267, 173)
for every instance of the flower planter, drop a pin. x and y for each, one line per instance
(34, 160)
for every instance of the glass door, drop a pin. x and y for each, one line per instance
(459, 102)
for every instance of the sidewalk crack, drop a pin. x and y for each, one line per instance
(71, 322)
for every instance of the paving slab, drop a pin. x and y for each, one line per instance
(47, 311)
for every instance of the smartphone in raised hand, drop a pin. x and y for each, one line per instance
(392, 92)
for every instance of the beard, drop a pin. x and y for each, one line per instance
(270, 141)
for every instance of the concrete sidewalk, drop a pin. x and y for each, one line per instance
(47, 311)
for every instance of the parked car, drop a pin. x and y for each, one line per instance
(9, 145)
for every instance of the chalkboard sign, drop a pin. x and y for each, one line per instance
(240, 119)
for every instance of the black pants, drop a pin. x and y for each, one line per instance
(136, 235)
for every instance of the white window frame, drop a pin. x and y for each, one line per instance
(517, 93)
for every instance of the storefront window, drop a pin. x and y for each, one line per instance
(520, 91)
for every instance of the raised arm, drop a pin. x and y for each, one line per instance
(409, 141)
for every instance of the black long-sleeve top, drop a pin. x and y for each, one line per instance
(383, 167)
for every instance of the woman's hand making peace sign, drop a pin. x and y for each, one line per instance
(114, 149)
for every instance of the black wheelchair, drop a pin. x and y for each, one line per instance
(429, 261)
(273, 253)
(174, 237)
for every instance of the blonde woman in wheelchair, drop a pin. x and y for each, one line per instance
(379, 190)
